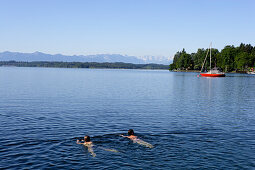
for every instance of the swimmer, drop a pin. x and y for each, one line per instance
(131, 135)
(86, 142)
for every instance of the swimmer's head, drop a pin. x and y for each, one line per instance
(86, 138)
(131, 132)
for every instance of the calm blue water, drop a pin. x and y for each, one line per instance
(192, 122)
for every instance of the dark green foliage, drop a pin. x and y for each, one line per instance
(182, 60)
(83, 65)
(229, 59)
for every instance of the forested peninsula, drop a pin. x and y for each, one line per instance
(229, 59)
(117, 65)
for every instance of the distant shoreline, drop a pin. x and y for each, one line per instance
(91, 65)
(198, 71)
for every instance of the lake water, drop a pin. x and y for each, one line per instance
(192, 122)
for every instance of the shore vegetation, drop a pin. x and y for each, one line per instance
(229, 59)
(117, 65)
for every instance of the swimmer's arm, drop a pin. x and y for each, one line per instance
(124, 136)
(78, 141)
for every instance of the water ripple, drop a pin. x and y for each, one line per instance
(192, 123)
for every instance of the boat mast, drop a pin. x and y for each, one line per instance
(210, 56)
(205, 59)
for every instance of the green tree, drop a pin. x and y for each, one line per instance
(241, 60)
(198, 58)
(228, 54)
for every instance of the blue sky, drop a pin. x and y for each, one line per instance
(131, 27)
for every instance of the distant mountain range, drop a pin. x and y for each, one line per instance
(100, 58)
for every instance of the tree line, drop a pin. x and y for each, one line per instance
(231, 58)
(117, 65)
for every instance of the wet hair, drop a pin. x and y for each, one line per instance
(131, 132)
(86, 138)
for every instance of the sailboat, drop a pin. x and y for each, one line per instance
(213, 72)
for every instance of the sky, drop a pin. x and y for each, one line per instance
(127, 27)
